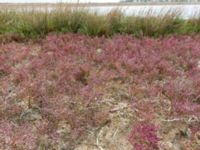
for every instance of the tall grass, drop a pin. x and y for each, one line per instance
(34, 23)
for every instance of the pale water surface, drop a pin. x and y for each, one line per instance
(187, 11)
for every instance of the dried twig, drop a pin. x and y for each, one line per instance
(97, 141)
(115, 133)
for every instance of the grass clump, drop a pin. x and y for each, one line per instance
(34, 23)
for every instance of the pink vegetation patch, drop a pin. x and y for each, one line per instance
(63, 79)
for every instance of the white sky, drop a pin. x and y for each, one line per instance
(52, 1)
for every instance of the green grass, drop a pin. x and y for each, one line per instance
(39, 23)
